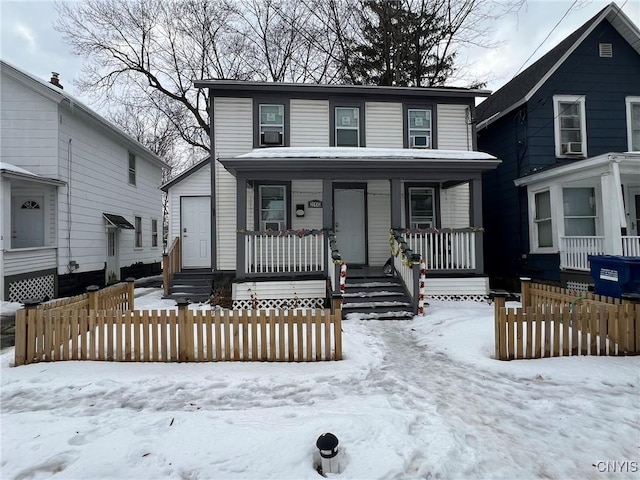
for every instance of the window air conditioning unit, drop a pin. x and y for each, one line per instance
(273, 226)
(420, 141)
(271, 138)
(572, 148)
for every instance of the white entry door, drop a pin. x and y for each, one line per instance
(113, 262)
(27, 221)
(634, 193)
(349, 224)
(196, 232)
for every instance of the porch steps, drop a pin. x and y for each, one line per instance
(376, 298)
(195, 285)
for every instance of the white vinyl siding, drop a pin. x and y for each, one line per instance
(378, 194)
(454, 130)
(234, 136)
(309, 123)
(197, 185)
(454, 206)
(280, 290)
(301, 192)
(30, 260)
(383, 124)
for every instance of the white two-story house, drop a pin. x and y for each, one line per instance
(80, 199)
(302, 174)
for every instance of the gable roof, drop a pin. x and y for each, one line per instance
(59, 96)
(186, 173)
(522, 87)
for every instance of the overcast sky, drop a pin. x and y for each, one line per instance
(29, 41)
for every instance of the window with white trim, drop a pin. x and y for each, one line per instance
(132, 169)
(347, 123)
(138, 232)
(421, 207)
(272, 204)
(419, 128)
(633, 123)
(271, 125)
(579, 207)
(154, 233)
(542, 223)
(570, 125)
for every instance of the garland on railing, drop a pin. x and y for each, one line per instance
(423, 279)
(343, 277)
(408, 259)
(442, 230)
(303, 232)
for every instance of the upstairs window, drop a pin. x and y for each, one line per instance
(570, 125)
(633, 123)
(543, 235)
(132, 169)
(347, 121)
(419, 122)
(271, 125)
(272, 207)
(579, 207)
(421, 207)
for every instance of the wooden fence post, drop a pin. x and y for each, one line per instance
(183, 330)
(499, 297)
(92, 290)
(21, 339)
(525, 293)
(336, 302)
(130, 292)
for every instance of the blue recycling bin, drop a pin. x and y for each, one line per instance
(614, 275)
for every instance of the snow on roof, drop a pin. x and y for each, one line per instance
(364, 152)
(7, 167)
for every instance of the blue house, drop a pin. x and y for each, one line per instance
(568, 132)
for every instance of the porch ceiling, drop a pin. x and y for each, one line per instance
(359, 163)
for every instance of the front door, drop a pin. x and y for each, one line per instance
(113, 263)
(350, 223)
(27, 221)
(634, 193)
(196, 232)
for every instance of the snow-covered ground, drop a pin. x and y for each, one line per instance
(412, 399)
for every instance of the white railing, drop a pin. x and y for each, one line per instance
(284, 252)
(631, 246)
(446, 249)
(574, 251)
(406, 264)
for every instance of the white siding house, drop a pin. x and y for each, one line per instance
(81, 203)
(354, 160)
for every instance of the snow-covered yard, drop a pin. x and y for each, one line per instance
(412, 399)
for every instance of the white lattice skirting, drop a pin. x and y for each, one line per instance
(578, 286)
(459, 297)
(275, 303)
(35, 287)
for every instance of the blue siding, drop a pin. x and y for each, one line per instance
(524, 140)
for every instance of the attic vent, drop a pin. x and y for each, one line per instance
(606, 50)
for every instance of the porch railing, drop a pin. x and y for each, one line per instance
(171, 264)
(631, 246)
(336, 271)
(574, 251)
(407, 265)
(301, 251)
(445, 249)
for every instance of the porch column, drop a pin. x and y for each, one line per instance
(396, 203)
(241, 223)
(611, 217)
(475, 217)
(327, 203)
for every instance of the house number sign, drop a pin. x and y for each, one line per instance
(315, 203)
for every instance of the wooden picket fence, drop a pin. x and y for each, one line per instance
(182, 336)
(115, 297)
(557, 322)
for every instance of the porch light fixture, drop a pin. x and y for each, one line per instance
(327, 443)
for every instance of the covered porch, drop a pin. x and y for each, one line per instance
(302, 213)
(590, 207)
